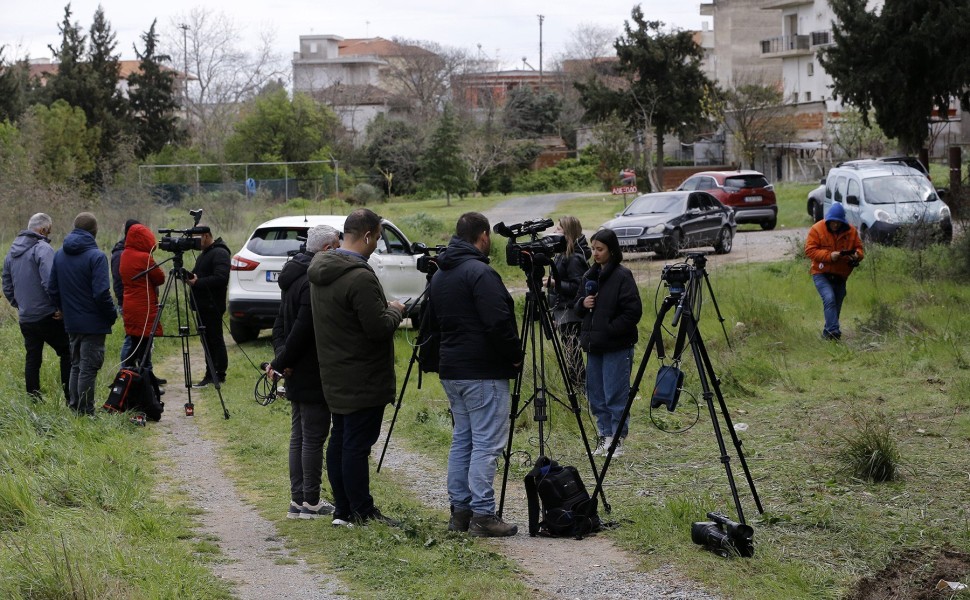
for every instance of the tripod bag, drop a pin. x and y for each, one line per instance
(135, 388)
(558, 494)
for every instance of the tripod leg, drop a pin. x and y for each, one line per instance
(210, 364)
(397, 408)
(514, 408)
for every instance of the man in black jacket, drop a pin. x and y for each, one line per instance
(480, 352)
(296, 358)
(209, 281)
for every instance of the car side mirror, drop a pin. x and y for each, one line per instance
(852, 199)
(419, 248)
(942, 192)
(693, 211)
(822, 181)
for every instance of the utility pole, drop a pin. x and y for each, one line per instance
(541, 19)
(185, 74)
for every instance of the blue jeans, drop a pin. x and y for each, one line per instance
(481, 412)
(608, 388)
(87, 356)
(832, 290)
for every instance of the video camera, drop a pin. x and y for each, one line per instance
(427, 263)
(539, 250)
(188, 239)
(723, 536)
(678, 275)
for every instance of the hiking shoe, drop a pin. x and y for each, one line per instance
(312, 511)
(459, 519)
(618, 451)
(375, 515)
(294, 510)
(490, 526)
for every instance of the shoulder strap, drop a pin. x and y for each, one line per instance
(533, 499)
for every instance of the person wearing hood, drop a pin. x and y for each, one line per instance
(570, 265)
(480, 352)
(141, 294)
(354, 327)
(296, 358)
(80, 287)
(116, 284)
(26, 279)
(210, 281)
(834, 247)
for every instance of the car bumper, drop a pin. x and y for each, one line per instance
(261, 313)
(651, 242)
(755, 214)
(891, 233)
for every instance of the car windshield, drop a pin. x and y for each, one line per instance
(739, 182)
(276, 241)
(658, 203)
(892, 189)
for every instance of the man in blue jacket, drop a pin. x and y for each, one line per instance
(80, 287)
(480, 353)
(26, 279)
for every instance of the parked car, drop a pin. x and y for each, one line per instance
(254, 295)
(666, 222)
(747, 192)
(815, 198)
(884, 200)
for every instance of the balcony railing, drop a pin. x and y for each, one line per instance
(785, 44)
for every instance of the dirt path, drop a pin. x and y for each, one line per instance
(256, 563)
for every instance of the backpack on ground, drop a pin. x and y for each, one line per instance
(558, 494)
(135, 388)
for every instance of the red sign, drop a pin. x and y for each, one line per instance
(624, 189)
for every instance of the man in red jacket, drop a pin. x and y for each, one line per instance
(834, 247)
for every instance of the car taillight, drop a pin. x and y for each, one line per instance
(239, 263)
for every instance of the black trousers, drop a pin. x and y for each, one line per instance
(48, 331)
(351, 440)
(214, 342)
(309, 425)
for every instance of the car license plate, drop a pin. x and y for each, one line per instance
(752, 198)
(628, 241)
(272, 276)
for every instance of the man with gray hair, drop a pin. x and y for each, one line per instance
(80, 287)
(26, 284)
(296, 359)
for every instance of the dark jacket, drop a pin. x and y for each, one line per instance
(79, 285)
(354, 329)
(569, 275)
(117, 285)
(612, 324)
(293, 339)
(26, 276)
(212, 269)
(141, 295)
(475, 315)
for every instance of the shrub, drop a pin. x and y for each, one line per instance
(364, 194)
(422, 227)
(870, 451)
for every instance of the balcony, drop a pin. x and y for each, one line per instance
(786, 45)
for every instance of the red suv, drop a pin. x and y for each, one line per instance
(747, 192)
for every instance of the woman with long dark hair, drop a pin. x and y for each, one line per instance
(564, 283)
(609, 304)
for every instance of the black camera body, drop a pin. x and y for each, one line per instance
(723, 536)
(178, 244)
(427, 263)
(538, 251)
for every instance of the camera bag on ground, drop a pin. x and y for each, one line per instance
(135, 388)
(566, 508)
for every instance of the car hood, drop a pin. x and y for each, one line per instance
(648, 220)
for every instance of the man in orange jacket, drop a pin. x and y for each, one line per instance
(834, 247)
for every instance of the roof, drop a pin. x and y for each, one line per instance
(44, 69)
(377, 46)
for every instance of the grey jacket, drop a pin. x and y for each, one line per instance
(26, 274)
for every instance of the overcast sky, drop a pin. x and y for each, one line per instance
(506, 29)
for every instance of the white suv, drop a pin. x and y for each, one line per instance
(254, 295)
(884, 201)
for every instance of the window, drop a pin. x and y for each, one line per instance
(840, 189)
(690, 185)
(706, 183)
(313, 47)
(808, 96)
(276, 241)
(811, 69)
(391, 243)
(853, 189)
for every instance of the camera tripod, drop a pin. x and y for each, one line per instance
(683, 281)
(537, 311)
(183, 295)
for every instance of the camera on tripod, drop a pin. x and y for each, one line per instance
(723, 536)
(188, 239)
(427, 263)
(545, 247)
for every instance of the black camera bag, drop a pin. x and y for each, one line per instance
(135, 388)
(566, 507)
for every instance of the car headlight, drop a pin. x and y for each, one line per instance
(885, 217)
(944, 213)
(656, 229)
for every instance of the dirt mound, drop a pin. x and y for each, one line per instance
(914, 575)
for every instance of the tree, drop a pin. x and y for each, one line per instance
(73, 82)
(530, 114)
(422, 71)
(441, 165)
(611, 149)
(854, 137)
(63, 148)
(663, 85)
(152, 97)
(13, 83)
(221, 75)
(394, 149)
(754, 114)
(275, 129)
(903, 62)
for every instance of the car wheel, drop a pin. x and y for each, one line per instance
(769, 225)
(946, 232)
(819, 212)
(864, 234)
(242, 332)
(671, 245)
(725, 241)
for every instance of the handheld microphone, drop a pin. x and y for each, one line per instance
(591, 289)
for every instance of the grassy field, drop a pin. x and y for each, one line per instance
(80, 515)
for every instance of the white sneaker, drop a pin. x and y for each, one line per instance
(341, 522)
(603, 446)
(619, 448)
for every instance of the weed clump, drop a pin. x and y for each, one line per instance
(870, 452)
